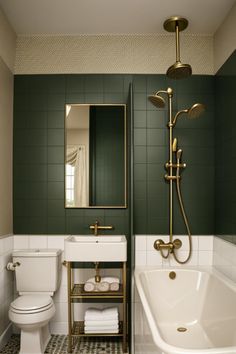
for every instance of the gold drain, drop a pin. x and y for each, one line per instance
(182, 329)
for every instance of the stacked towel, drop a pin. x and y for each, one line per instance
(106, 284)
(101, 321)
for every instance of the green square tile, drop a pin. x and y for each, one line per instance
(37, 190)
(140, 153)
(36, 137)
(140, 189)
(56, 155)
(93, 83)
(156, 154)
(157, 225)
(37, 120)
(36, 172)
(156, 83)
(75, 83)
(140, 136)
(156, 137)
(140, 83)
(94, 98)
(21, 84)
(74, 98)
(20, 208)
(56, 172)
(56, 207)
(140, 172)
(21, 225)
(113, 83)
(21, 102)
(56, 84)
(56, 102)
(113, 97)
(140, 119)
(56, 137)
(76, 225)
(56, 225)
(38, 102)
(38, 83)
(56, 119)
(156, 172)
(20, 190)
(157, 119)
(37, 225)
(140, 101)
(37, 208)
(20, 119)
(56, 190)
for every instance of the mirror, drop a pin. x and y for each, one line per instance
(95, 156)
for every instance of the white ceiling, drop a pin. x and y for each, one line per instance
(29, 17)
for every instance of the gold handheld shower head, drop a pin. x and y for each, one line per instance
(178, 70)
(196, 110)
(193, 112)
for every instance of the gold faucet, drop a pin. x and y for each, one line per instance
(97, 227)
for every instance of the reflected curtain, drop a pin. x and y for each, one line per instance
(76, 156)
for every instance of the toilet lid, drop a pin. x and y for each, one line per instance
(31, 302)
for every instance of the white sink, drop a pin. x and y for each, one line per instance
(87, 248)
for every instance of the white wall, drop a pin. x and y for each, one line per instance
(225, 40)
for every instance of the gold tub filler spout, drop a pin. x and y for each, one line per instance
(97, 227)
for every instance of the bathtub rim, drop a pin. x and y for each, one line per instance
(157, 339)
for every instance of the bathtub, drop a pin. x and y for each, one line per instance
(193, 313)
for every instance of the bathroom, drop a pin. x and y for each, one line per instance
(42, 71)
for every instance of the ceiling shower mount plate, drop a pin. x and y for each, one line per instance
(171, 23)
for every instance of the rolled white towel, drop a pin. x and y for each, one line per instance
(88, 331)
(102, 286)
(88, 286)
(114, 286)
(111, 279)
(101, 322)
(100, 328)
(110, 313)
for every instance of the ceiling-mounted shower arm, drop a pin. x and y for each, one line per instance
(177, 42)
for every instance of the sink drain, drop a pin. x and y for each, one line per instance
(181, 329)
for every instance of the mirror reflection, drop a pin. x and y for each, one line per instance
(95, 156)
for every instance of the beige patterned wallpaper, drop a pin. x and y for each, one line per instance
(148, 54)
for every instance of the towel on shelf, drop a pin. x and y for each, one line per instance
(99, 322)
(101, 328)
(101, 331)
(88, 286)
(114, 283)
(92, 285)
(110, 313)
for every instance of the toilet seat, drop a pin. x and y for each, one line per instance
(30, 304)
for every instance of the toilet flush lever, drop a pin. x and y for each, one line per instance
(12, 266)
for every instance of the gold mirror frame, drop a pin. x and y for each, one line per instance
(125, 157)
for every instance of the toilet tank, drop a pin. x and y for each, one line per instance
(39, 270)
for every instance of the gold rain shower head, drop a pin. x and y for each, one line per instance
(178, 70)
(157, 100)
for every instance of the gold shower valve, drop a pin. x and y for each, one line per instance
(169, 178)
(175, 165)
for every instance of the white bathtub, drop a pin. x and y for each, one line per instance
(201, 301)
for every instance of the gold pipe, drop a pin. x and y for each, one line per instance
(124, 309)
(69, 307)
(170, 125)
(177, 42)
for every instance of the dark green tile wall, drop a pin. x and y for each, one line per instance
(225, 192)
(195, 137)
(39, 102)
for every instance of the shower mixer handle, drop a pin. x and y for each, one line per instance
(175, 165)
(170, 246)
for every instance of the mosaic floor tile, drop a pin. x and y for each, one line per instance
(58, 345)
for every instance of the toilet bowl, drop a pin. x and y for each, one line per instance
(38, 275)
(32, 313)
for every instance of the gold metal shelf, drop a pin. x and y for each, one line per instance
(78, 331)
(78, 292)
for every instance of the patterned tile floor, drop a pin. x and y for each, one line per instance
(58, 345)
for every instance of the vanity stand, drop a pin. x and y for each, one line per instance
(76, 293)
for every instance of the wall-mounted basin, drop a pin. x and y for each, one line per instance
(87, 248)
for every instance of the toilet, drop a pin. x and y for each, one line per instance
(38, 274)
